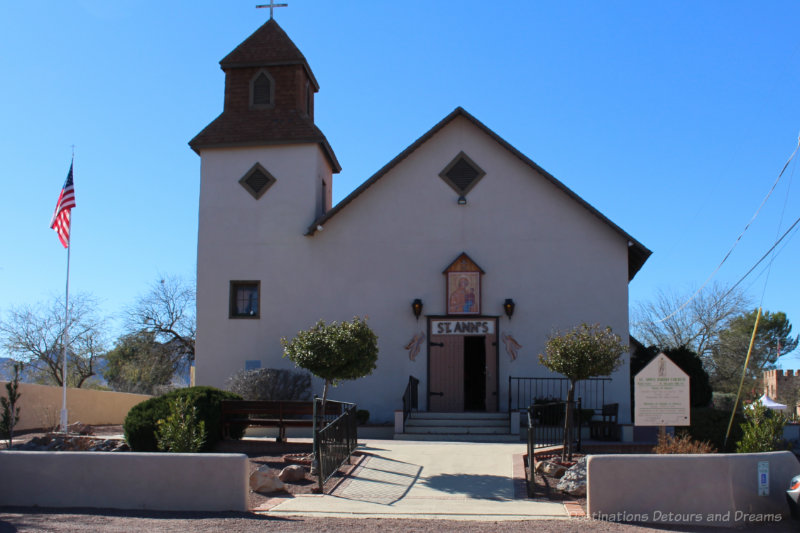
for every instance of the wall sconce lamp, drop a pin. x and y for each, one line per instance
(508, 307)
(416, 306)
(462, 200)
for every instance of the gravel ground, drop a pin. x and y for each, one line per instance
(105, 520)
(84, 520)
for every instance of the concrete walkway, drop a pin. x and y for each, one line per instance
(430, 480)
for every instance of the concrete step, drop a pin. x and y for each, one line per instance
(466, 422)
(455, 437)
(427, 415)
(457, 430)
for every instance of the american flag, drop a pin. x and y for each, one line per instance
(66, 201)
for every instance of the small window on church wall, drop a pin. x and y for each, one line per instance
(323, 200)
(257, 181)
(308, 99)
(462, 174)
(262, 88)
(244, 299)
(252, 364)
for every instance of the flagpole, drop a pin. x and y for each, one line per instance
(61, 224)
(65, 341)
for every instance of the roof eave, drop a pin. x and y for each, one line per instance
(326, 148)
(637, 253)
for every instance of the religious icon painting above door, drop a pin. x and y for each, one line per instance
(463, 286)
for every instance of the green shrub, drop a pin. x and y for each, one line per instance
(270, 384)
(762, 430)
(362, 415)
(710, 425)
(142, 420)
(723, 401)
(182, 431)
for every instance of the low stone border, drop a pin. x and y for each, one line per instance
(697, 489)
(153, 481)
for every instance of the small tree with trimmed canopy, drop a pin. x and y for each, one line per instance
(581, 353)
(334, 352)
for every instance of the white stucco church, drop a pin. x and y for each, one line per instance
(462, 252)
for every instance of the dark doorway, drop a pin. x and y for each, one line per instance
(474, 373)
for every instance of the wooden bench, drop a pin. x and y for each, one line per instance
(607, 427)
(271, 413)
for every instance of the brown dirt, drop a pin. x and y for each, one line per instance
(271, 454)
(91, 520)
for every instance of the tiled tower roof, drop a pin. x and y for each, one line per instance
(289, 117)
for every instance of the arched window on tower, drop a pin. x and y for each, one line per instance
(261, 90)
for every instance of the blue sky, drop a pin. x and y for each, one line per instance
(671, 118)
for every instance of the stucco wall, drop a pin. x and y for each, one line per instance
(710, 489)
(558, 261)
(40, 406)
(160, 481)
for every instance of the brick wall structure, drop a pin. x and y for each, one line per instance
(783, 386)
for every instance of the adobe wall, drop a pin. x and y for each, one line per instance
(40, 406)
(708, 489)
(108, 480)
(778, 383)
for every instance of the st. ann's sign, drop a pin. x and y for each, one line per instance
(462, 327)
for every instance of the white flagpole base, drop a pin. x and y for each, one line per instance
(64, 420)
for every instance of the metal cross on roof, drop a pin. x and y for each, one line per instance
(272, 5)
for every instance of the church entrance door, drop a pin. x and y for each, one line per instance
(462, 372)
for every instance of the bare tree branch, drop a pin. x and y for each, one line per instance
(168, 311)
(696, 326)
(34, 335)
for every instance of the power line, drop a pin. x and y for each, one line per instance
(796, 222)
(739, 238)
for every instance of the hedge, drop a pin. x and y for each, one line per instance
(142, 420)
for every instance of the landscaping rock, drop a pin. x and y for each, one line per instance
(574, 480)
(263, 481)
(551, 469)
(292, 473)
(79, 428)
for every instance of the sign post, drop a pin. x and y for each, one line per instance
(661, 394)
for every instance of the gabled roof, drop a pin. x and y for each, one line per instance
(637, 252)
(268, 45)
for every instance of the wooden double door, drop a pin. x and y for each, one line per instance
(462, 372)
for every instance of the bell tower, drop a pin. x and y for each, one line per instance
(269, 96)
(265, 175)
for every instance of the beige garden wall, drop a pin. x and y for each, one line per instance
(40, 406)
(109, 480)
(710, 489)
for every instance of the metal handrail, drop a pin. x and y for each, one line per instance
(522, 391)
(410, 398)
(335, 442)
(546, 424)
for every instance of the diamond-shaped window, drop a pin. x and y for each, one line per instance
(462, 174)
(257, 181)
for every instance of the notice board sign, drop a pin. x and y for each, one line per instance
(661, 394)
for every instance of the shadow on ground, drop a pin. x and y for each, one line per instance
(481, 486)
(380, 480)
